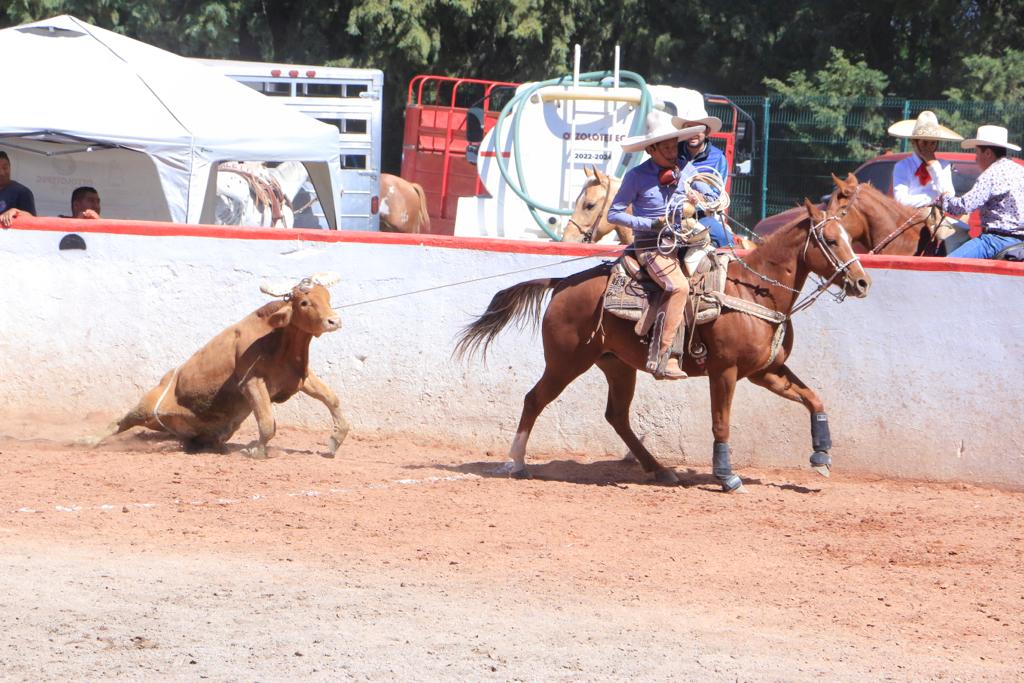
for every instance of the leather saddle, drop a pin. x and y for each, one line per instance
(632, 295)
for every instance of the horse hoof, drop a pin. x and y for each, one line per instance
(256, 453)
(732, 484)
(821, 463)
(666, 475)
(520, 474)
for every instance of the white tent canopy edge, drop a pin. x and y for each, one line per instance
(89, 85)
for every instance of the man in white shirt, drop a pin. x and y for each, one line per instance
(921, 179)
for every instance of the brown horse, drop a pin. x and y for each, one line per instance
(589, 221)
(878, 222)
(577, 335)
(403, 206)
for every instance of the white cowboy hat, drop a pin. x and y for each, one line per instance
(660, 126)
(924, 127)
(698, 115)
(989, 136)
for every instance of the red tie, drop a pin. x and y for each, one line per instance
(922, 173)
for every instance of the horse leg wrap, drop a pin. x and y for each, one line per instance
(722, 468)
(821, 440)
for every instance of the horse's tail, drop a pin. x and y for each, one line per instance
(424, 216)
(520, 303)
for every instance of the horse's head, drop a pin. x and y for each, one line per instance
(840, 203)
(589, 220)
(828, 252)
(874, 220)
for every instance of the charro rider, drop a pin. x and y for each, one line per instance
(698, 151)
(920, 179)
(648, 188)
(998, 193)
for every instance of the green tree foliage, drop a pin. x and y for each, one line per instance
(927, 48)
(838, 102)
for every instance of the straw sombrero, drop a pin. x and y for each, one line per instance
(698, 115)
(924, 127)
(989, 136)
(660, 126)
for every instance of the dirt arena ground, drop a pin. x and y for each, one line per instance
(409, 560)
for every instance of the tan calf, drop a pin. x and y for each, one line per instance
(262, 359)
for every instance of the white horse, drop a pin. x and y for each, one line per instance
(250, 193)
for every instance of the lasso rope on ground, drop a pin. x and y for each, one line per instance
(479, 279)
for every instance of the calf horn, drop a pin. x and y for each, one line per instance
(276, 289)
(325, 279)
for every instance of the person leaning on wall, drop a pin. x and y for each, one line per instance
(15, 198)
(85, 203)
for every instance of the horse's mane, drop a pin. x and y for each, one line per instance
(777, 243)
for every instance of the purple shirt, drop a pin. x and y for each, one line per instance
(641, 189)
(999, 193)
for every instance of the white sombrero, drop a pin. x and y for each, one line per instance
(989, 136)
(660, 126)
(924, 127)
(698, 116)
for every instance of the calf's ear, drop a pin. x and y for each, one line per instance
(281, 317)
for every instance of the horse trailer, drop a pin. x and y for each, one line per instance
(347, 99)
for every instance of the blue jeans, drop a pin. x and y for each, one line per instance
(985, 246)
(720, 235)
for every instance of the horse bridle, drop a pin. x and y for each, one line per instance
(840, 267)
(588, 235)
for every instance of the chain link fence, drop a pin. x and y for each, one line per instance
(791, 148)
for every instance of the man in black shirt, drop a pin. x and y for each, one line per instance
(15, 198)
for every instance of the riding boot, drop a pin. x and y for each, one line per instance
(672, 308)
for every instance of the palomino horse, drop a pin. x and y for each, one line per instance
(403, 206)
(577, 335)
(251, 193)
(589, 220)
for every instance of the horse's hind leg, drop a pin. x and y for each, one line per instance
(783, 382)
(621, 387)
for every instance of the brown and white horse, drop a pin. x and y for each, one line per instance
(577, 336)
(403, 206)
(250, 193)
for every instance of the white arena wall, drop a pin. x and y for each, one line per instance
(920, 380)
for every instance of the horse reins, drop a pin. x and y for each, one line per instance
(823, 285)
(902, 229)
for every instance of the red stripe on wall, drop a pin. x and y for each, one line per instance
(155, 229)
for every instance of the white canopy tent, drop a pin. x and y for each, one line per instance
(79, 89)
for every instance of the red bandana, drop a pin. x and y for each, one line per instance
(667, 176)
(922, 174)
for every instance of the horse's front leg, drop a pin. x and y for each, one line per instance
(723, 386)
(783, 382)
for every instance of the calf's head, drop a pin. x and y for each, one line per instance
(307, 305)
